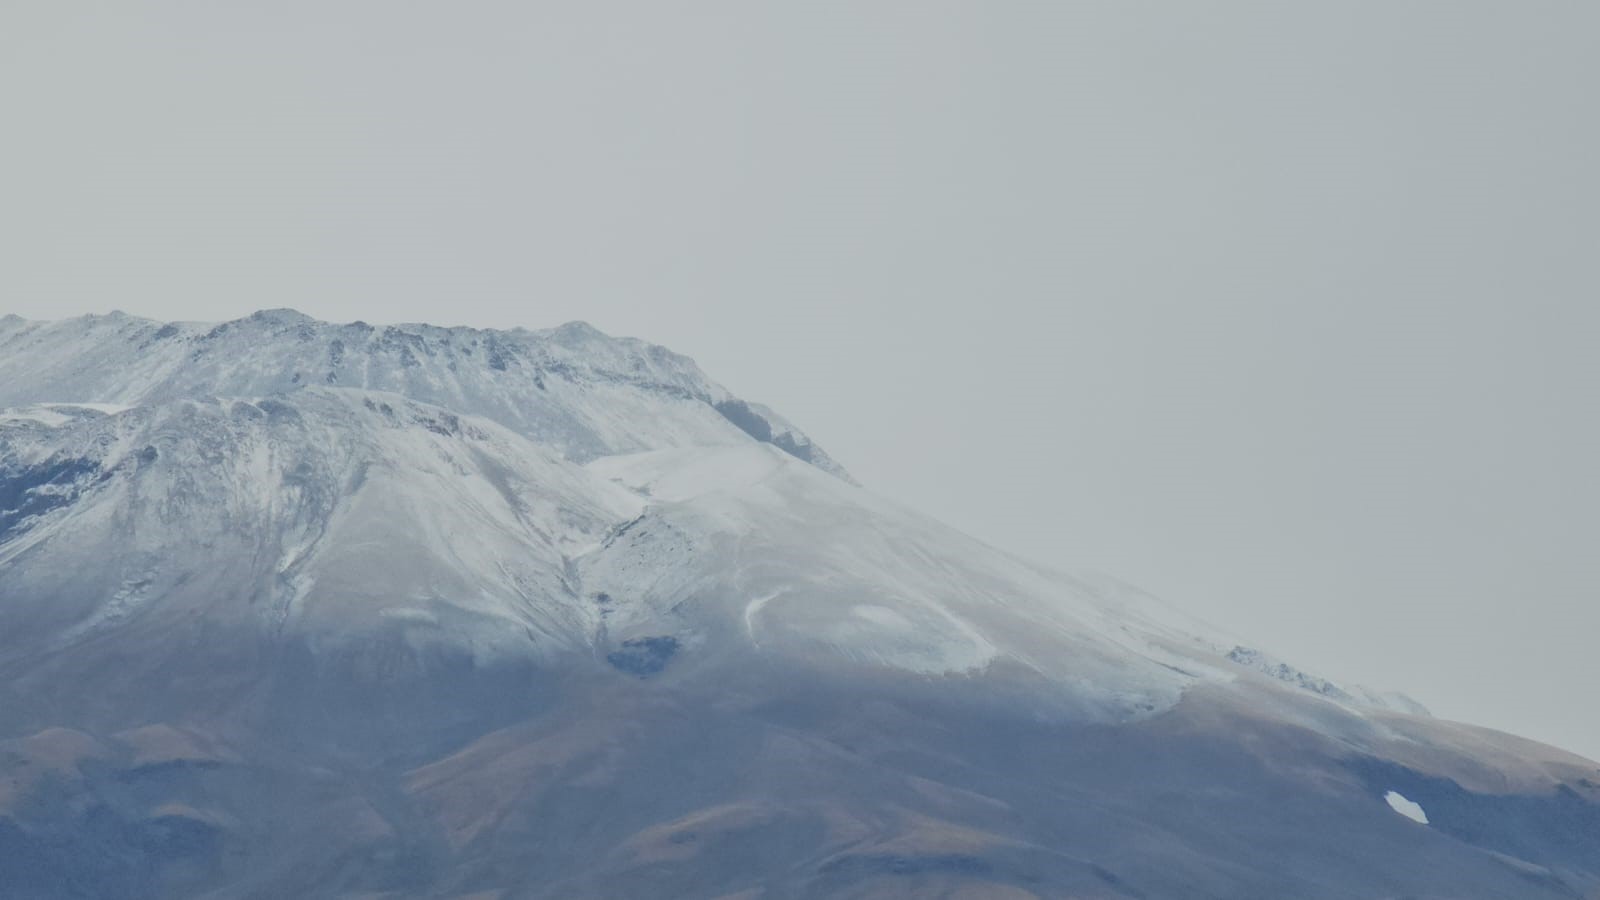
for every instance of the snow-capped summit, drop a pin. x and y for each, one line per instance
(290, 608)
(570, 387)
(505, 496)
(513, 496)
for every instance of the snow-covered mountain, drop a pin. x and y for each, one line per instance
(550, 613)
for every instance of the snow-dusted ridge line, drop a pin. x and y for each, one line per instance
(571, 387)
(515, 477)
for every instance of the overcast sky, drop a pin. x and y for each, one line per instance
(1287, 312)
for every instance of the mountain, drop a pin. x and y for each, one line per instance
(296, 609)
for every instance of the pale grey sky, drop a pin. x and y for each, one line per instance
(1285, 312)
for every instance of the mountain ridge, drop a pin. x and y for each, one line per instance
(125, 359)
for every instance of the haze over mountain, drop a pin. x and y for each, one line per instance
(290, 608)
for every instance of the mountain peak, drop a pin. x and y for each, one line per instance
(580, 328)
(282, 314)
(574, 388)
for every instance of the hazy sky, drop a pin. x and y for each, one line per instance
(1287, 312)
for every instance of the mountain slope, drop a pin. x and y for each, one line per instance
(437, 631)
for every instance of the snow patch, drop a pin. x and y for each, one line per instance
(677, 475)
(1404, 807)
